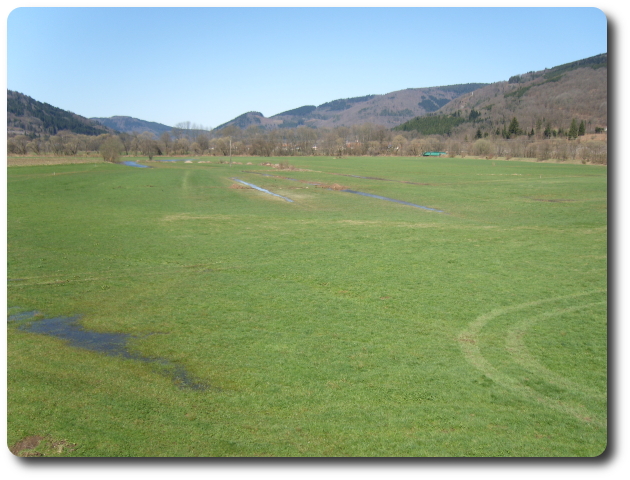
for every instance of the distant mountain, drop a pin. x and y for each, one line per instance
(26, 116)
(248, 119)
(389, 110)
(552, 97)
(132, 125)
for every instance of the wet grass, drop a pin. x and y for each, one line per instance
(336, 325)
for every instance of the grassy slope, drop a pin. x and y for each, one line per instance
(337, 325)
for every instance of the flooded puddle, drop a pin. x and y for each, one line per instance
(262, 189)
(22, 316)
(392, 200)
(283, 178)
(347, 190)
(131, 163)
(112, 344)
(381, 179)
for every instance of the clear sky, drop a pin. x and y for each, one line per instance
(209, 65)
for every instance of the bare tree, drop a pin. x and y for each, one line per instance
(20, 143)
(72, 144)
(57, 144)
(148, 144)
(165, 140)
(127, 141)
(203, 143)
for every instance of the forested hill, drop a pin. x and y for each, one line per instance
(29, 117)
(388, 110)
(546, 99)
(133, 125)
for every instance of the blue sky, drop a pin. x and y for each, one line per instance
(209, 65)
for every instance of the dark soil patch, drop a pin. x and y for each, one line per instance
(26, 447)
(28, 443)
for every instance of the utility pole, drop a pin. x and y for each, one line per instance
(230, 151)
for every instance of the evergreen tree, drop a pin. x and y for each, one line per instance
(514, 128)
(581, 129)
(573, 130)
(478, 135)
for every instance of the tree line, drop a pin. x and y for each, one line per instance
(541, 142)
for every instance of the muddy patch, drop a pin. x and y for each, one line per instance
(112, 344)
(24, 447)
(44, 445)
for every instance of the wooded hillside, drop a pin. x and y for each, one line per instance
(29, 117)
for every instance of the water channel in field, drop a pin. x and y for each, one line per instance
(131, 163)
(262, 189)
(112, 344)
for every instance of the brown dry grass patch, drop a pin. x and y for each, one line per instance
(23, 447)
(45, 446)
(332, 186)
(18, 161)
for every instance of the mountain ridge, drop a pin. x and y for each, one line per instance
(552, 96)
(389, 109)
(129, 124)
(28, 116)
(546, 98)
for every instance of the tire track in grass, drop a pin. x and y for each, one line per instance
(185, 185)
(76, 277)
(469, 343)
(515, 345)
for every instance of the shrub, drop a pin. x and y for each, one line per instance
(110, 149)
(482, 147)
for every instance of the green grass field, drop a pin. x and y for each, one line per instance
(335, 325)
